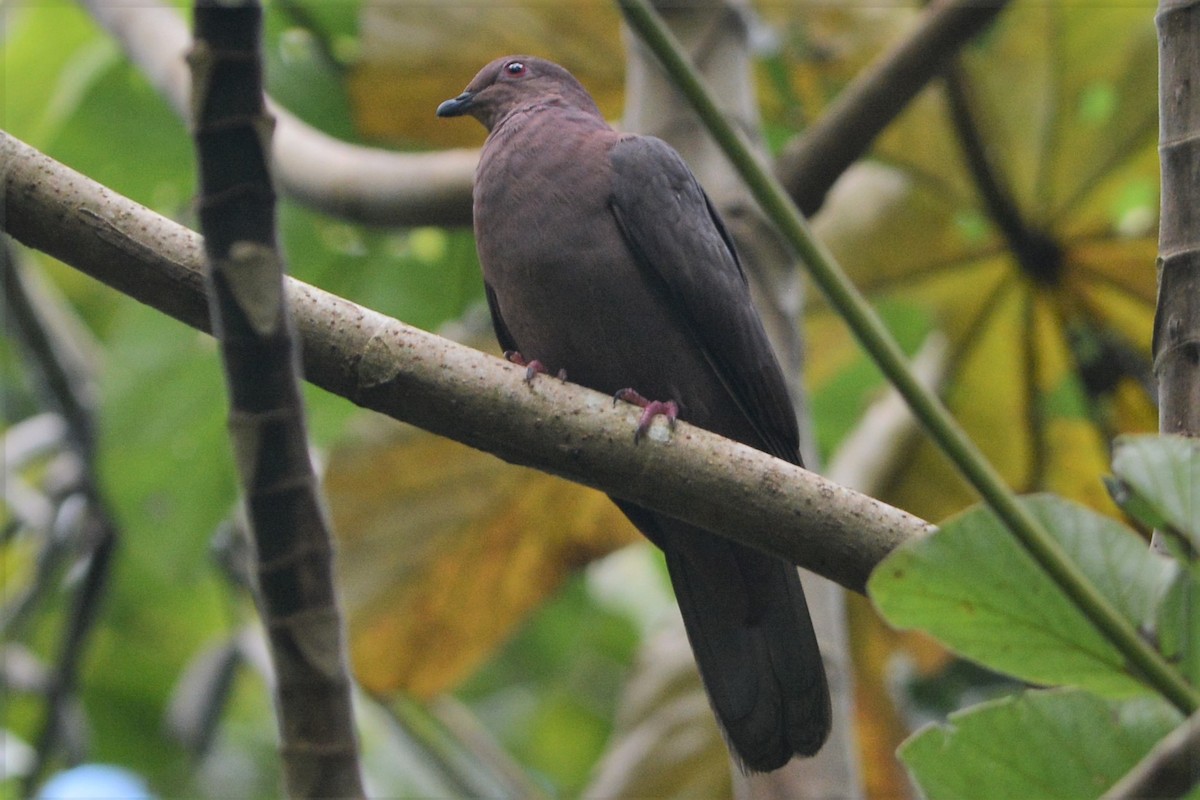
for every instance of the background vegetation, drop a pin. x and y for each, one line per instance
(1011, 209)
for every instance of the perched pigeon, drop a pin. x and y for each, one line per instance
(603, 257)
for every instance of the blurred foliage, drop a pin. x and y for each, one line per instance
(450, 531)
(406, 68)
(1064, 99)
(807, 55)
(164, 456)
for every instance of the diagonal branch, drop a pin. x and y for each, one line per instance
(465, 395)
(811, 162)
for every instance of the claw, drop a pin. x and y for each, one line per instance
(650, 410)
(533, 367)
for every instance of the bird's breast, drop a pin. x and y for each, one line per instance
(566, 285)
(541, 209)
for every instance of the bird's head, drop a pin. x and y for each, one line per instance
(513, 82)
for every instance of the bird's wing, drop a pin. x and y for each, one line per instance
(681, 245)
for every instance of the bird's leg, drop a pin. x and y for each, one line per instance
(650, 410)
(533, 367)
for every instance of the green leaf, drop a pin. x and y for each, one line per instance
(1159, 482)
(974, 588)
(1179, 624)
(80, 101)
(1044, 744)
(57, 51)
(303, 74)
(423, 276)
(166, 471)
(142, 151)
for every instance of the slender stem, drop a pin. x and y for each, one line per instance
(882, 347)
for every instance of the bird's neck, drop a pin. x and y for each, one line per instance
(548, 110)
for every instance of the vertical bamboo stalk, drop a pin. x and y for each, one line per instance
(1177, 318)
(258, 346)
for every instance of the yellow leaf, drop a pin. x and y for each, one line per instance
(443, 551)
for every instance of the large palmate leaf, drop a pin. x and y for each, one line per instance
(1013, 207)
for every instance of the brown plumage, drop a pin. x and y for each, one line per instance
(603, 256)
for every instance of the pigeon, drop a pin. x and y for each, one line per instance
(603, 259)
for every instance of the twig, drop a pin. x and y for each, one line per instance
(481, 401)
(85, 608)
(66, 385)
(67, 382)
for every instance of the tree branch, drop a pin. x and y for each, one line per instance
(460, 393)
(810, 163)
(361, 184)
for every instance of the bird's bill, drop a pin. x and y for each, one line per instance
(457, 106)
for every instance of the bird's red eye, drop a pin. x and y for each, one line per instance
(515, 68)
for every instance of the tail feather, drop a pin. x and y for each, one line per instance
(749, 628)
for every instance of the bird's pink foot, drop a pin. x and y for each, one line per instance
(533, 367)
(650, 410)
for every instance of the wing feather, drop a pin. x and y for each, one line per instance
(679, 241)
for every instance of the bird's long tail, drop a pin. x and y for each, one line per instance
(750, 631)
